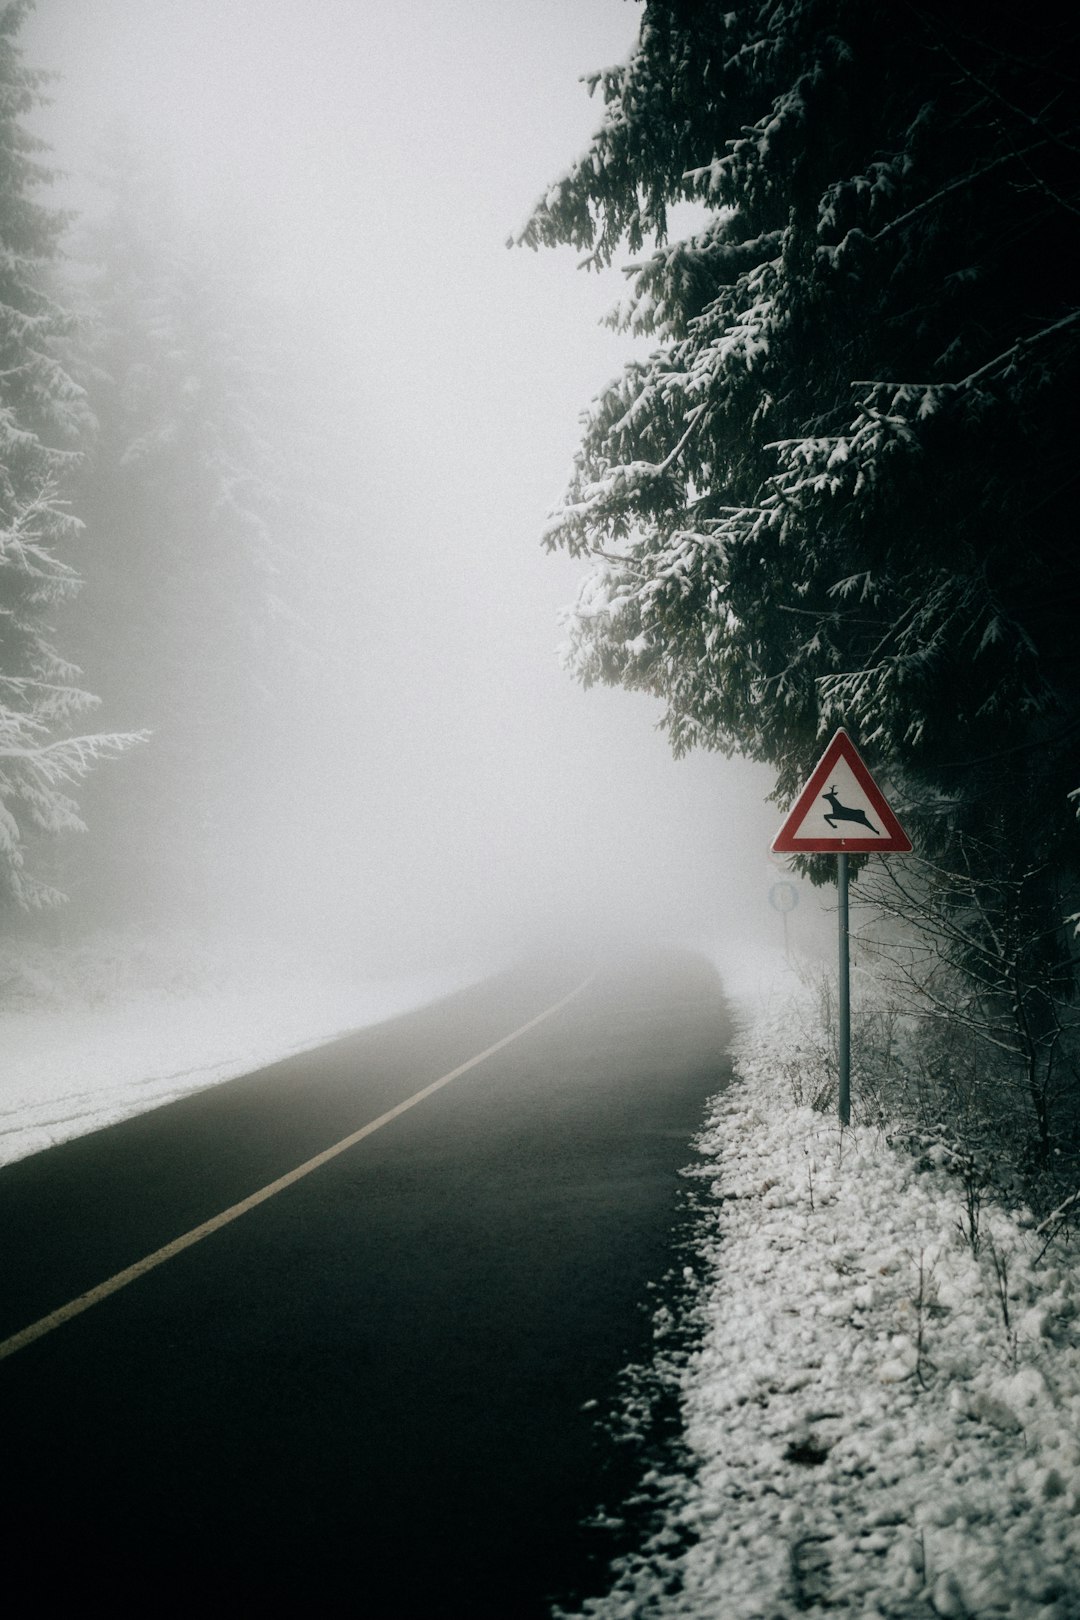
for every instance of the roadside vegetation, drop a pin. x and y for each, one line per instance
(866, 1381)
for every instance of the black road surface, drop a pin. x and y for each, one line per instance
(365, 1396)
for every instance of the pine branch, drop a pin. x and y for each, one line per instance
(949, 190)
(1018, 347)
(68, 758)
(990, 90)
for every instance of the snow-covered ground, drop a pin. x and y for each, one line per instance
(878, 1420)
(94, 1033)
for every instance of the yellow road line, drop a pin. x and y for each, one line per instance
(75, 1307)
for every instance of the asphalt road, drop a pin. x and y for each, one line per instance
(365, 1396)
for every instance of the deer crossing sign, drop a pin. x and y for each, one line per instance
(841, 810)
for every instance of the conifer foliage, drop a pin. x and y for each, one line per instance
(841, 487)
(179, 493)
(42, 417)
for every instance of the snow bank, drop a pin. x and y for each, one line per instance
(93, 1033)
(881, 1408)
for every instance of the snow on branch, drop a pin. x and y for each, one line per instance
(69, 758)
(956, 185)
(1018, 347)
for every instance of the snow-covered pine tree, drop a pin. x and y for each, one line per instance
(842, 486)
(192, 535)
(42, 417)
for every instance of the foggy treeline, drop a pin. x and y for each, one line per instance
(283, 417)
(150, 403)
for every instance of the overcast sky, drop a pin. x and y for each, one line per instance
(375, 159)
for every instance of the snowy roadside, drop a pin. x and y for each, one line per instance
(96, 1033)
(878, 1420)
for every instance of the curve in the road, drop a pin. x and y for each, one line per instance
(376, 1394)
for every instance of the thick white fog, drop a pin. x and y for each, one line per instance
(368, 162)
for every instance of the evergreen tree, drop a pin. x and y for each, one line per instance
(174, 501)
(194, 528)
(842, 486)
(42, 418)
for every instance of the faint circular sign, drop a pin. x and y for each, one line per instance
(783, 897)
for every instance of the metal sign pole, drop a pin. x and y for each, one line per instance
(867, 826)
(845, 990)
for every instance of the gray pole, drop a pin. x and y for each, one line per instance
(845, 991)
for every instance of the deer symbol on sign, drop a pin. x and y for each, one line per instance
(841, 812)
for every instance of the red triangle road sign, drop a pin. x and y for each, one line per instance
(841, 809)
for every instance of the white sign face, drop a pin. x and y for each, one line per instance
(841, 808)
